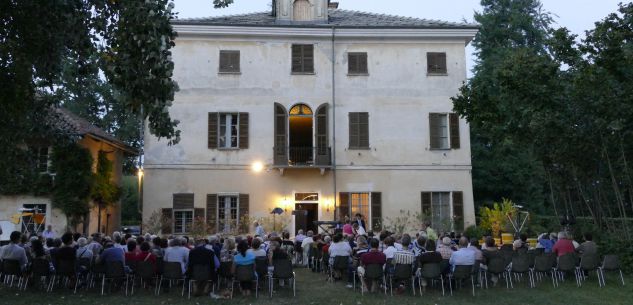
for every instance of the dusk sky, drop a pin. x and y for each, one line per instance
(576, 15)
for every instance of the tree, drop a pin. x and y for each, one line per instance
(104, 191)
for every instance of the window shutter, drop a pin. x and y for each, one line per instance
(244, 212)
(168, 221)
(434, 130)
(376, 211)
(212, 211)
(213, 130)
(352, 63)
(281, 119)
(362, 64)
(436, 63)
(323, 156)
(308, 58)
(363, 135)
(343, 206)
(243, 130)
(303, 58)
(354, 130)
(454, 129)
(229, 61)
(426, 204)
(235, 61)
(296, 58)
(458, 211)
(183, 201)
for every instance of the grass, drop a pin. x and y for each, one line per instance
(312, 288)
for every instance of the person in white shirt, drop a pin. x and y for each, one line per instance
(358, 230)
(463, 256)
(259, 229)
(305, 246)
(177, 253)
(13, 251)
(49, 233)
(390, 249)
(341, 247)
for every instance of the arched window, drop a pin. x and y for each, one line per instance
(302, 11)
(300, 109)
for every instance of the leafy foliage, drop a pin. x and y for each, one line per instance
(73, 182)
(129, 201)
(155, 222)
(495, 219)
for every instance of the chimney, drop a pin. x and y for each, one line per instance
(332, 5)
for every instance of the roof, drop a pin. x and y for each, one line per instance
(337, 18)
(74, 124)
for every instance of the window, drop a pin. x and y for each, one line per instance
(229, 61)
(358, 130)
(229, 130)
(444, 131)
(42, 159)
(359, 203)
(436, 63)
(183, 220)
(303, 59)
(441, 209)
(357, 64)
(228, 211)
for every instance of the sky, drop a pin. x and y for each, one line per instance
(576, 15)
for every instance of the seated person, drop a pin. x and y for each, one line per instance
(244, 258)
(463, 256)
(374, 256)
(256, 248)
(428, 257)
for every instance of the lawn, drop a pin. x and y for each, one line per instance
(312, 288)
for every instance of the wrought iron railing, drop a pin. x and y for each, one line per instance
(302, 156)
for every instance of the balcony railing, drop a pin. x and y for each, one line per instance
(302, 156)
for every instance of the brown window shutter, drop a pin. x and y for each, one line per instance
(183, 201)
(229, 61)
(426, 205)
(376, 211)
(213, 130)
(458, 211)
(362, 64)
(343, 206)
(168, 221)
(454, 129)
(321, 134)
(434, 130)
(296, 59)
(308, 58)
(244, 212)
(303, 58)
(354, 132)
(212, 211)
(363, 135)
(281, 119)
(243, 130)
(436, 63)
(352, 63)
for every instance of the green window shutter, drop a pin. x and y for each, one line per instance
(213, 130)
(363, 128)
(243, 130)
(212, 211)
(343, 206)
(458, 211)
(354, 130)
(376, 211)
(434, 130)
(454, 129)
(182, 201)
(426, 204)
(244, 212)
(168, 221)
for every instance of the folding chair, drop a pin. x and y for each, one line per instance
(610, 263)
(172, 272)
(461, 273)
(282, 270)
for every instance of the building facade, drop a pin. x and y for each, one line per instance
(348, 112)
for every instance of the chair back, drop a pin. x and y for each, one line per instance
(431, 270)
(589, 262)
(11, 267)
(567, 262)
(341, 263)
(496, 265)
(145, 270)
(445, 266)
(403, 271)
(521, 263)
(84, 262)
(462, 271)
(282, 269)
(66, 267)
(131, 264)
(172, 270)
(41, 267)
(201, 273)
(374, 271)
(245, 273)
(160, 265)
(114, 269)
(476, 266)
(261, 266)
(225, 270)
(611, 262)
(543, 263)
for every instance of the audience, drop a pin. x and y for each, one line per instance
(588, 247)
(463, 256)
(563, 245)
(244, 258)
(445, 248)
(374, 256)
(178, 253)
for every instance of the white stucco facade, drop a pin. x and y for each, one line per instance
(397, 93)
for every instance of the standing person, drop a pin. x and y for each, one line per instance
(430, 233)
(259, 229)
(244, 258)
(347, 228)
(49, 233)
(359, 220)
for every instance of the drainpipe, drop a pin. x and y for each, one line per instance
(334, 121)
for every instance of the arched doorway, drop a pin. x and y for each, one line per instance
(301, 135)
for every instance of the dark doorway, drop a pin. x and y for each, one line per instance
(301, 151)
(305, 216)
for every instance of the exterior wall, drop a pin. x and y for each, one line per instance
(9, 206)
(397, 93)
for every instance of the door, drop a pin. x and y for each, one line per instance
(305, 216)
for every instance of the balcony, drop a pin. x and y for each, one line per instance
(302, 157)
